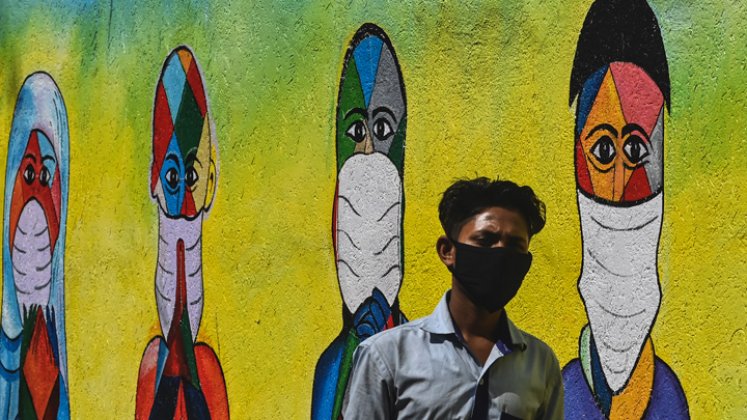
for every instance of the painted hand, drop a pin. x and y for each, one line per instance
(372, 316)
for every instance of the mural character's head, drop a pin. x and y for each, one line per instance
(183, 182)
(35, 209)
(371, 124)
(183, 170)
(621, 79)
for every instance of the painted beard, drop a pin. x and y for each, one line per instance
(170, 231)
(369, 229)
(619, 282)
(31, 256)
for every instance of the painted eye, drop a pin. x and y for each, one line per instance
(635, 149)
(382, 130)
(192, 177)
(357, 131)
(604, 150)
(28, 174)
(44, 176)
(172, 178)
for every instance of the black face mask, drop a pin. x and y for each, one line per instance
(490, 277)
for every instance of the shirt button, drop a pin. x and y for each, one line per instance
(482, 381)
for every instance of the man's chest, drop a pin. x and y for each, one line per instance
(444, 381)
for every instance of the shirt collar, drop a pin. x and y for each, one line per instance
(440, 322)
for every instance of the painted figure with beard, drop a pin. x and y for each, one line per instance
(621, 80)
(33, 356)
(368, 207)
(180, 377)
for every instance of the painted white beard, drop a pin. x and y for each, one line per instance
(619, 282)
(169, 232)
(369, 229)
(32, 257)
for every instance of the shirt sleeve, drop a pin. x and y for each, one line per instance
(369, 392)
(552, 407)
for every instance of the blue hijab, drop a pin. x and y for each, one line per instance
(39, 106)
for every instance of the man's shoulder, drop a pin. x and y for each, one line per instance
(394, 337)
(539, 347)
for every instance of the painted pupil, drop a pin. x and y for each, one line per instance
(28, 174)
(635, 149)
(191, 177)
(381, 129)
(172, 178)
(357, 131)
(604, 150)
(44, 176)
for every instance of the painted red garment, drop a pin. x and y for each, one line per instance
(210, 376)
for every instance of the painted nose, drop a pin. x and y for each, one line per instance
(366, 146)
(618, 185)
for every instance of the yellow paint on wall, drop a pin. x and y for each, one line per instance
(487, 92)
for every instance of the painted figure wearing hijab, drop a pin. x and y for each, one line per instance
(180, 377)
(368, 207)
(33, 356)
(621, 80)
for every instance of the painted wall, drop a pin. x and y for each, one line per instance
(487, 93)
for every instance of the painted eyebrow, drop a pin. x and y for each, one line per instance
(192, 157)
(45, 158)
(384, 110)
(30, 156)
(634, 127)
(607, 127)
(356, 111)
(173, 158)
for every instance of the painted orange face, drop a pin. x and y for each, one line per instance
(619, 147)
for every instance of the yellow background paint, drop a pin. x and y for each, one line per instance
(487, 92)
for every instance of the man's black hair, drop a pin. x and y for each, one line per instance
(620, 30)
(467, 197)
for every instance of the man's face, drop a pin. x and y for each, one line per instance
(619, 135)
(371, 114)
(496, 227)
(183, 170)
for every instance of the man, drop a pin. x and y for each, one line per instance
(368, 208)
(621, 79)
(179, 377)
(33, 355)
(467, 359)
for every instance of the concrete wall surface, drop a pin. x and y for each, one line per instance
(193, 158)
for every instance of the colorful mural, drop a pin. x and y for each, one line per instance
(487, 94)
(621, 79)
(368, 208)
(33, 355)
(179, 376)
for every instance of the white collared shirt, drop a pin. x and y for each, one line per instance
(424, 370)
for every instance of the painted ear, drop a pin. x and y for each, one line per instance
(212, 178)
(446, 251)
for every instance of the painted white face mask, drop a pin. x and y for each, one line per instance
(619, 281)
(170, 231)
(32, 257)
(369, 229)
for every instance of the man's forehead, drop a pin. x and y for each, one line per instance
(493, 216)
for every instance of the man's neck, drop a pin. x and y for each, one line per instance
(471, 320)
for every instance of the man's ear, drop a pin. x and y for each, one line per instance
(446, 251)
